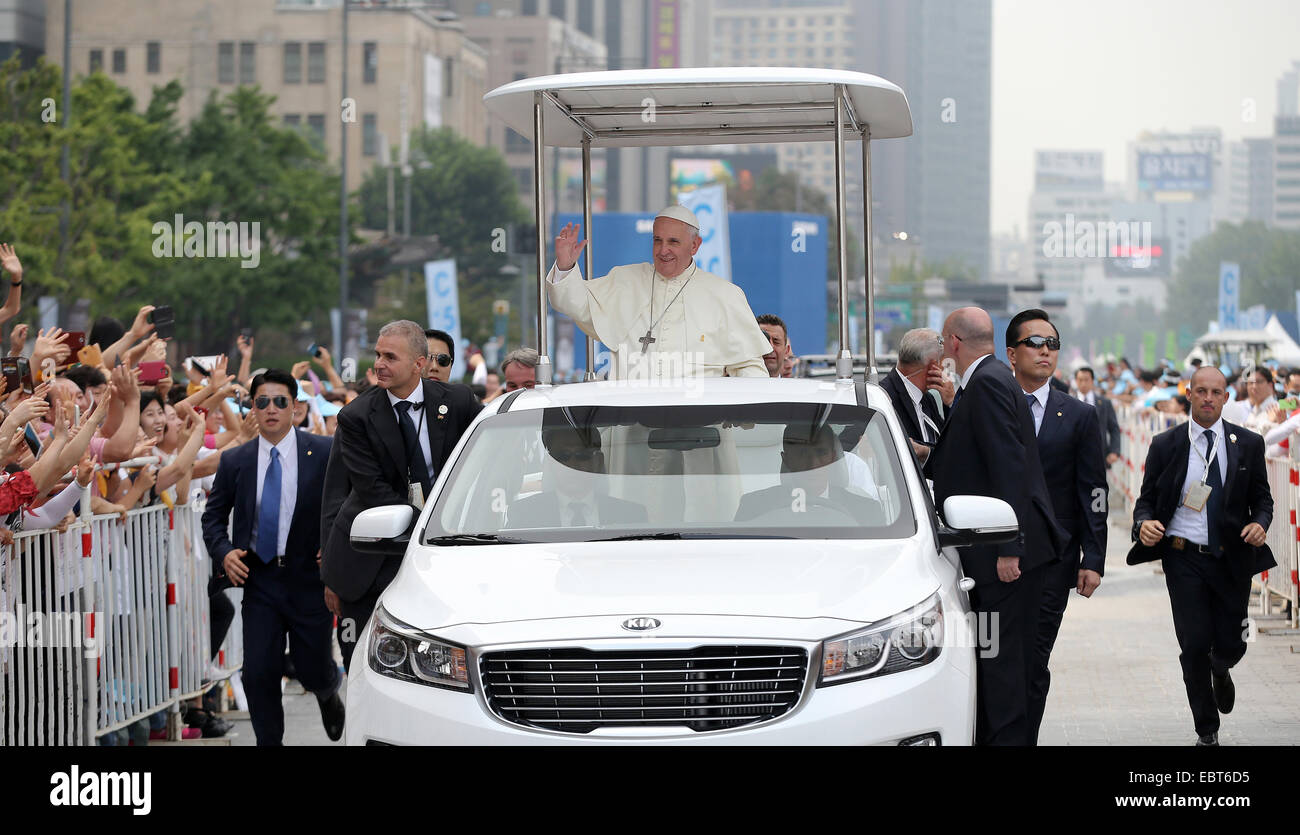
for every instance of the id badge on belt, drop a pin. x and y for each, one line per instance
(1196, 496)
(415, 495)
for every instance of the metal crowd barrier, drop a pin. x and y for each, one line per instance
(42, 647)
(104, 625)
(1138, 427)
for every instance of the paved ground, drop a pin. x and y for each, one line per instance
(1116, 678)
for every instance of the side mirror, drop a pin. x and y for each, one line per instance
(382, 530)
(977, 520)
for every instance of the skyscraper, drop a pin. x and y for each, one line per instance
(934, 186)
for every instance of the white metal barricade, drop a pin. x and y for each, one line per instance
(43, 641)
(130, 560)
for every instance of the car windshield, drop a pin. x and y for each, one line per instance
(795, 470)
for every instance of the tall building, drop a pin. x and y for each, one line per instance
(521, 47)
(1069, 196)
(22, 30)
(934, 185)
(406, 65)
(1286, 172)
(1259, 204)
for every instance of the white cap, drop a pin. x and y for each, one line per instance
(681, 213)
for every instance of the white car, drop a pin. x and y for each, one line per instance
(726, 561)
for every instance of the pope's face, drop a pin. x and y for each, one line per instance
(675, 243)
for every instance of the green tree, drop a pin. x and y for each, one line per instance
(465, 196)
(242, 168)
(1270, 272)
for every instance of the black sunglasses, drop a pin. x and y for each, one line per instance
(281, 401)
(1036, 342)
(443, 360)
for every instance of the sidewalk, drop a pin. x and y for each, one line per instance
(1116, 678)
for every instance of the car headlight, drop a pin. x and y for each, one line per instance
(402, 652)
(906, 641)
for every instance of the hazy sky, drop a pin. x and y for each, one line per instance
(1092, 74)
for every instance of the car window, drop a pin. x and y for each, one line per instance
(798, 470)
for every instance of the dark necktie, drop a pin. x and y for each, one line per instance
(1029, 398)
(416, 470)
(268, 517)
(956, 399)
(1214, 505)
(577, 516)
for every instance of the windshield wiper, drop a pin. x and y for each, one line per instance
(473, 539)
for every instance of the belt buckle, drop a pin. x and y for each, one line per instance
(1179, 543)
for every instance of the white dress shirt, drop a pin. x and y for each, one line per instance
(288, 451)
(928, 429)
(965, 378)
(1039, 404)
(1254, 418)
(1090, 398)
(419, 419)
(1187, 523)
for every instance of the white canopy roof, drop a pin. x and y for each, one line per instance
(1280, 345)
(702, 106)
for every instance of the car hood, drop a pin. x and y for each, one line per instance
(852, 580)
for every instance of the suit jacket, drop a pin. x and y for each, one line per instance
(1108, 424)
(988, 448)
(1246, 495)
(234, 490)
(367, 468)
(894, 386)
(1074, 468)
(543, 511)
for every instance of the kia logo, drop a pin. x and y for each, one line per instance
(641, 624)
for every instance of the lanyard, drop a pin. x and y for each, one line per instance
(1214, 452)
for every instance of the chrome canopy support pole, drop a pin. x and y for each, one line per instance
(587, 256)
(544, 369)
(844, 362)
(869, 249)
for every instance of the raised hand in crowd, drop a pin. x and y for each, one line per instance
(140, 328)
(135, 353)
(325, 361)
(18, 339)
(50, 344)
(245, 345)
(9, 261)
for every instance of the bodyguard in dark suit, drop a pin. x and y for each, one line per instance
(390, 445)
(1069, 448)
(1204, 509)
(919, 371)
(1085, 381)
(988, 448)
(272, 485)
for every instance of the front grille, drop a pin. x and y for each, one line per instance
(705, 689)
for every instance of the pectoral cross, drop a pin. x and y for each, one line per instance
(646, 340)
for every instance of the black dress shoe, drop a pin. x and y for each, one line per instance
(1208, 739)
(332, 716)
(1225, 693)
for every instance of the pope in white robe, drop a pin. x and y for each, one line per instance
(663, 319)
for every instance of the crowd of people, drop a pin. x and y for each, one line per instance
(303, 451)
